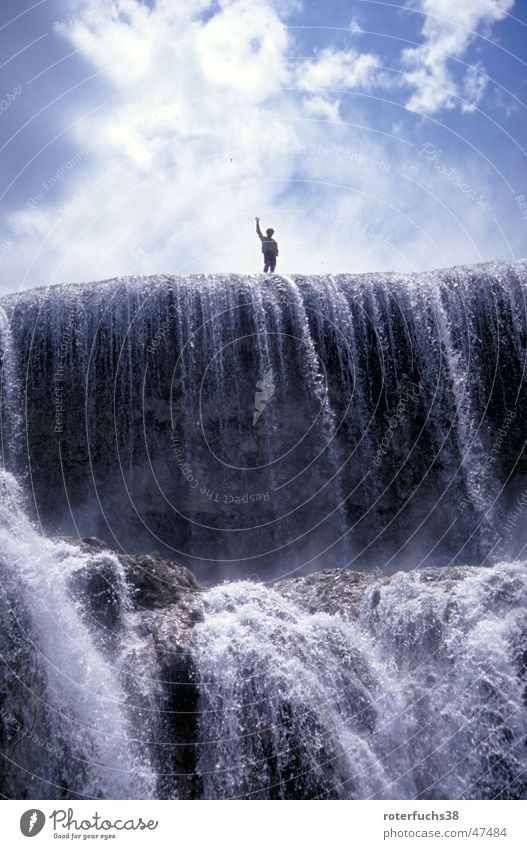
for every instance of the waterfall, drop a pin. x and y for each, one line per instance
(64, 709)
(11, 416)
(421, 698)
(275, 435)
(388, 430)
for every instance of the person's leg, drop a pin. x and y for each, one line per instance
(272, 264)
(266, 267)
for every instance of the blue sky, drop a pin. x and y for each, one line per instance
(144, 137)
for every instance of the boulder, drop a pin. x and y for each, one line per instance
(338, 592)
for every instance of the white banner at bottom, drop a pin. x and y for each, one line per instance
(265, 825)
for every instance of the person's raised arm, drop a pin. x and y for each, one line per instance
(258, 229)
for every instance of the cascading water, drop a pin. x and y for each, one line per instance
(422, 697)
(383, 403)
(263, 428)
(62, 694)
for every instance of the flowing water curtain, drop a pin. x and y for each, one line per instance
(380, 438)
(423, 697)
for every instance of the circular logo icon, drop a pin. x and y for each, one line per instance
(32, 822)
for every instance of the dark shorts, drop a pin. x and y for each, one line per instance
(270, 258)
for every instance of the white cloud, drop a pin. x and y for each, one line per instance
(242, 48)
(338, 69)
(449, 28)
(355, 25)
(474, 86)
(206, 122)
(331, 71)
(186, 136)
(322, 107)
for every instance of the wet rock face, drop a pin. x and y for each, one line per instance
(294, 690)
(419, 378)
(163, 598)
(110, 583)
(170, 598)
(163, 601)
(155, 582)
(338, 592)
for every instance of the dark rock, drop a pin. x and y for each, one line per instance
(166, 601)
(97, 589)
(153, 581)
(338, 592)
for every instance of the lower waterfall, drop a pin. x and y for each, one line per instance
(422, 695)
(421, 698)
(65, 695)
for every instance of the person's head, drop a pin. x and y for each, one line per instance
(270, 232)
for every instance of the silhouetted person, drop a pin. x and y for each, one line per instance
(269, 247)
